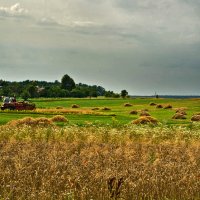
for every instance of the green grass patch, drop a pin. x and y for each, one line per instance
(117, 113)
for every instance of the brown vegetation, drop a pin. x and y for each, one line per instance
(63, 111)
(99, 163)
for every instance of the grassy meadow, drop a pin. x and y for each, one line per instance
(118, 112)
(60, 152)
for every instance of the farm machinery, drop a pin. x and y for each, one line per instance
(10, 103)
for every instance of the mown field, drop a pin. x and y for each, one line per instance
(118, 112)
(60, 152)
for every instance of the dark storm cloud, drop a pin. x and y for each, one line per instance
(142, 45)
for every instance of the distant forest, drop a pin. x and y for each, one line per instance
(66, 88)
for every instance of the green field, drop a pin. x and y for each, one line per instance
(118, 113)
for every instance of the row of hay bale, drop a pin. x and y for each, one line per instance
(40, 121)
(168, 106)
(180, 113)
(145, 117)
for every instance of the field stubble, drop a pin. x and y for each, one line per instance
(133, 162)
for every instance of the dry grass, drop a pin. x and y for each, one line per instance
(63, 111)
(99, 163)
(59, 118)
(145, 120)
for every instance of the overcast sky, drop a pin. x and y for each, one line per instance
(142, 46)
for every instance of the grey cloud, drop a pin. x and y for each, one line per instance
(13, 11)
(48, 22)
(140, 45)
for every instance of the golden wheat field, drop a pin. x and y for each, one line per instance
(42, 161)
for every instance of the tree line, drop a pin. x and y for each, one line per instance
(64, 88)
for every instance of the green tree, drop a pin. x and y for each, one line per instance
(32, 91)
(124, 93)
(25, 95)
(67, 83)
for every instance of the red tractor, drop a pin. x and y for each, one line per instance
(10, 103)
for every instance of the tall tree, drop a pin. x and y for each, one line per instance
(124, 93)
(67, 83)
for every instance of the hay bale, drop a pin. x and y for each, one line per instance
(105, 109)
(159, 106)
(180, 109)
(179, 116)
(144, 113)
(95, 108)
(133, 112)
(153, 104)
(168, 106)
(75, 106)
(195, 118)
(128, 105)
(145, 110)
(59, 118)
(182, 112)
(29, 121)
(145, 120)
(59, 107)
